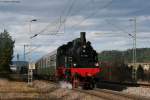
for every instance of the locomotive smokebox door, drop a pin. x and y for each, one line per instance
(82, 37)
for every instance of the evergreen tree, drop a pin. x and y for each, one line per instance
(140, 73)
(6, 51)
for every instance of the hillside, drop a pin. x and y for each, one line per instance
(143, 55)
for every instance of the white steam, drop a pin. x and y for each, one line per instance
(64, 84)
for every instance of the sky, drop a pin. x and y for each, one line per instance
(107, 24)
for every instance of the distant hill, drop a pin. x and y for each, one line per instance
(143, 55)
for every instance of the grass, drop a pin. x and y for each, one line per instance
(13, 86)
(17, 90)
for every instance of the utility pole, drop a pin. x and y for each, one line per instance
(135, 38)
(30, 67)
(134, 49)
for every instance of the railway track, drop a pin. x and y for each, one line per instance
(107, 94)
(111, 95)
(127, 84)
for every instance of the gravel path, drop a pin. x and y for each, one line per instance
(140, 91)
(63, 93)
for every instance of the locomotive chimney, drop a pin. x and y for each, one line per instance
(82, 37)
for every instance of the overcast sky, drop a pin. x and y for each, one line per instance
(107, 23)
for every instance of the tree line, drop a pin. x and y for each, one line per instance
(115, 68)
(142, 55)
(6, 51)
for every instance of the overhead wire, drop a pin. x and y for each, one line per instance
(57, 29)
(117, 27)
(60, 22)
(69, 10)
(92, 14)
(66, 17)
(47, 26)
(121, 29)
(85, 6)
(79, 9)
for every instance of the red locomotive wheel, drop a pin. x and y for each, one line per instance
(75, 82)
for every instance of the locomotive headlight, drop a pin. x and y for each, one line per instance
(74, 65)
(96, 64)
(84, 46)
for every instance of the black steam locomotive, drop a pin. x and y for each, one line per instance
(75, 62)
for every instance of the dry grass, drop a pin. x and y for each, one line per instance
(14, 90)
(41, 90)
(12, 86)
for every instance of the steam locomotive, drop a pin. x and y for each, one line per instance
(75, 62)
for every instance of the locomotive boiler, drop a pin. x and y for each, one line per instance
(75, 62)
